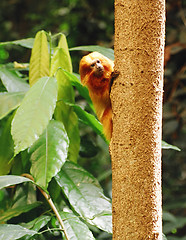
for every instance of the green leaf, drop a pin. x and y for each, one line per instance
(28, 42)
(83, 91)
(65, 89)
(72, 129)
(61, 60)
(63, 112)
(69, 118)
(34, 113)
(9, 101)
(39, 61)
(75, 228)
(165, 145)
(9, 180)
(6, 148)
(16, 211)
(12, 82)
(89, 119)
(63, 45)
(107, 52)
(167, 216)
(85, 196)
(13, 232)
(49, 153)
(37, 224)
(171, 226)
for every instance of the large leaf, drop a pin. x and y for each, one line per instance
(8, 180)
(34, 113)
(89, 120)
(75, 229)
(39, 61)
(36, 224)
(85, 196)
(67, 61)
(49, 153)
(11, 81)
(65, 89)
(16, 211)
(63, 112)
(9, 101)
(28, 42)
(83, 91)
(6, 148)
(108, 52)
(72, 129)
(13, 232)
(61, 60)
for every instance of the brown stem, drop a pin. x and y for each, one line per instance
(50, 202)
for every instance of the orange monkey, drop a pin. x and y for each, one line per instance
(96, 73)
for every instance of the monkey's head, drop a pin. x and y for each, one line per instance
(95, 65)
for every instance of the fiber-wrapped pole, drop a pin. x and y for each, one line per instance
(137, 119)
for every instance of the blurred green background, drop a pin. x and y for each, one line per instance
(87, 22)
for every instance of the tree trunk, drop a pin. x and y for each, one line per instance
(137, 117)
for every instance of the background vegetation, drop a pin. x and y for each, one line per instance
(92, 23)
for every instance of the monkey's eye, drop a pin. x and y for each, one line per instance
(95, 62)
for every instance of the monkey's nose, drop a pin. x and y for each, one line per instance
(99, 67)
(98, 70)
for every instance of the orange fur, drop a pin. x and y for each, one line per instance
(96, 73)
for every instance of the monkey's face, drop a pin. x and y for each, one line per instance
(95, 65)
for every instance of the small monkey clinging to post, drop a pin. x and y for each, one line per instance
(96, 73)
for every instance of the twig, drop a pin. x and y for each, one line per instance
(49, 200)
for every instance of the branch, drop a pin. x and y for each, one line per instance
(50, 202)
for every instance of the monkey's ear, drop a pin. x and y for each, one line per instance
(114, 75)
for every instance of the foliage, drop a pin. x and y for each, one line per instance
(43, 127)
(40, 141)
(86, 23)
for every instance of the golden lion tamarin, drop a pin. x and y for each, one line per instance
(96, 73)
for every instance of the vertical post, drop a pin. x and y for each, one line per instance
(137, 117)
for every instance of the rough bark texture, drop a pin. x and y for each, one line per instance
(137, 115)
